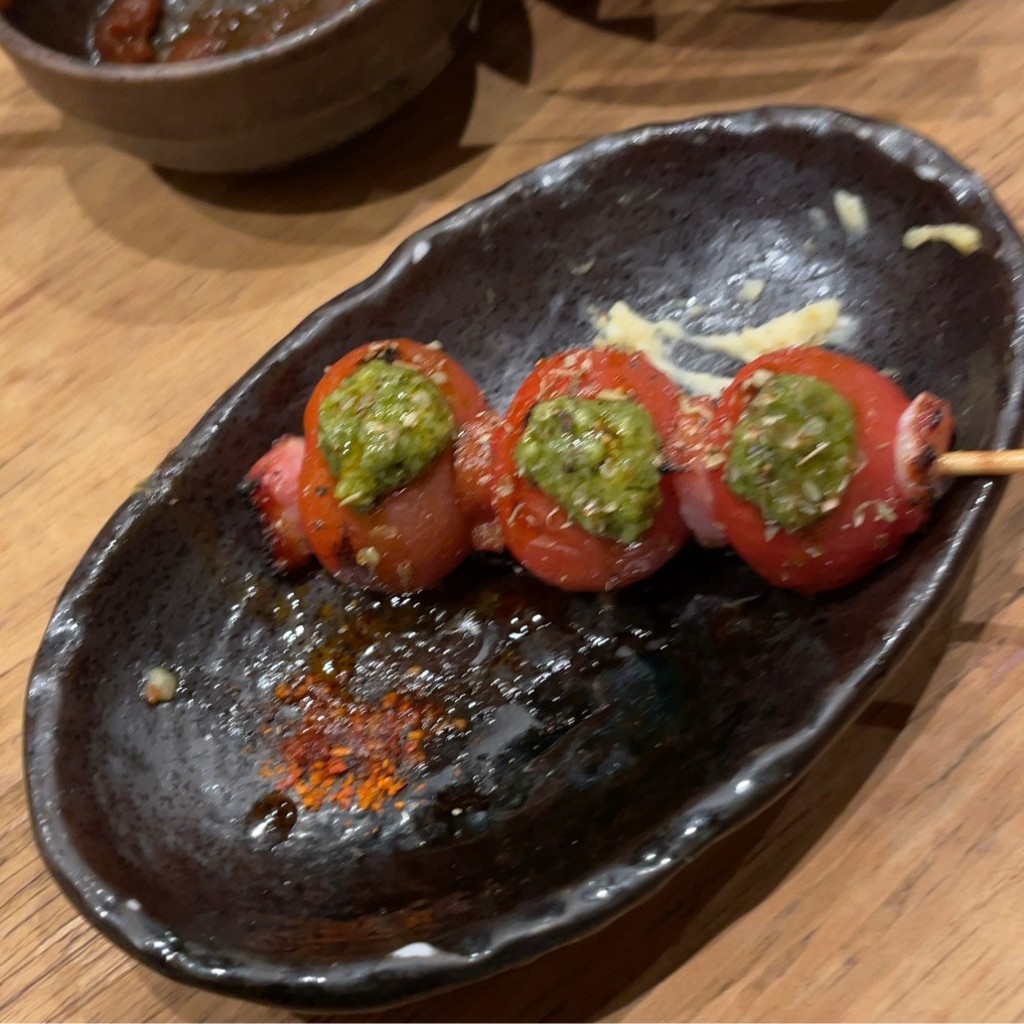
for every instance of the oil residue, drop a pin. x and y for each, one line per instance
(271, 819)
(394, 699)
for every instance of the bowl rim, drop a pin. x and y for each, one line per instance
(516, 938)
(24, 48)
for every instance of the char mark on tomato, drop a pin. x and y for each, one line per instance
(925, 431)
(273, 488)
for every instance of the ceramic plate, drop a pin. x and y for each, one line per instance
(599, 742)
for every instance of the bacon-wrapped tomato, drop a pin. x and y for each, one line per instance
(385, 497)
(823, 467)
(582, 488)
(273, 488)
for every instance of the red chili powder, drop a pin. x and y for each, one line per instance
(358, 755)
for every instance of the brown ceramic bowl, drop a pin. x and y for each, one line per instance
(245, 111)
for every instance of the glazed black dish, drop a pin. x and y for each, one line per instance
(604, 740)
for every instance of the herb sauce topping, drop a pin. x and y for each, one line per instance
(794, 450)
(599, 459)
(380, 428)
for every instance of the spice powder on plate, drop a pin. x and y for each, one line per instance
(356, 754)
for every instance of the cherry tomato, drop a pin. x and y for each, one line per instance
(416, 535)
(537, 530)
(874, 515)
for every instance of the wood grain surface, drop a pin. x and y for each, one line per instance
(888, 885)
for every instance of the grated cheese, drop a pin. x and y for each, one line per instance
(852, 213)
(752, 289)
(965, 238)
(623, 327)
(808, 326)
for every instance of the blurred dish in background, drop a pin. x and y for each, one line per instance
(143, 31)
(309, 75)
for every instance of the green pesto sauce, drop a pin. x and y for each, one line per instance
(793, 451)
(599, 459)
(382, 427)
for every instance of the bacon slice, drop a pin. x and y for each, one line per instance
(696, 494)
(273, 485)
(924, 431)
(690, 454)
(474, 480)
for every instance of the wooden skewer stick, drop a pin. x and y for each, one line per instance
(992, 463)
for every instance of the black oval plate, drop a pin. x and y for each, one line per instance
(609, 739)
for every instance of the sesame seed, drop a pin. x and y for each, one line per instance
(816, 450)
(811, 491)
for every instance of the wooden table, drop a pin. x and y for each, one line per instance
(891, 883)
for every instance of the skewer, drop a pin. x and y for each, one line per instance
(991, 463)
